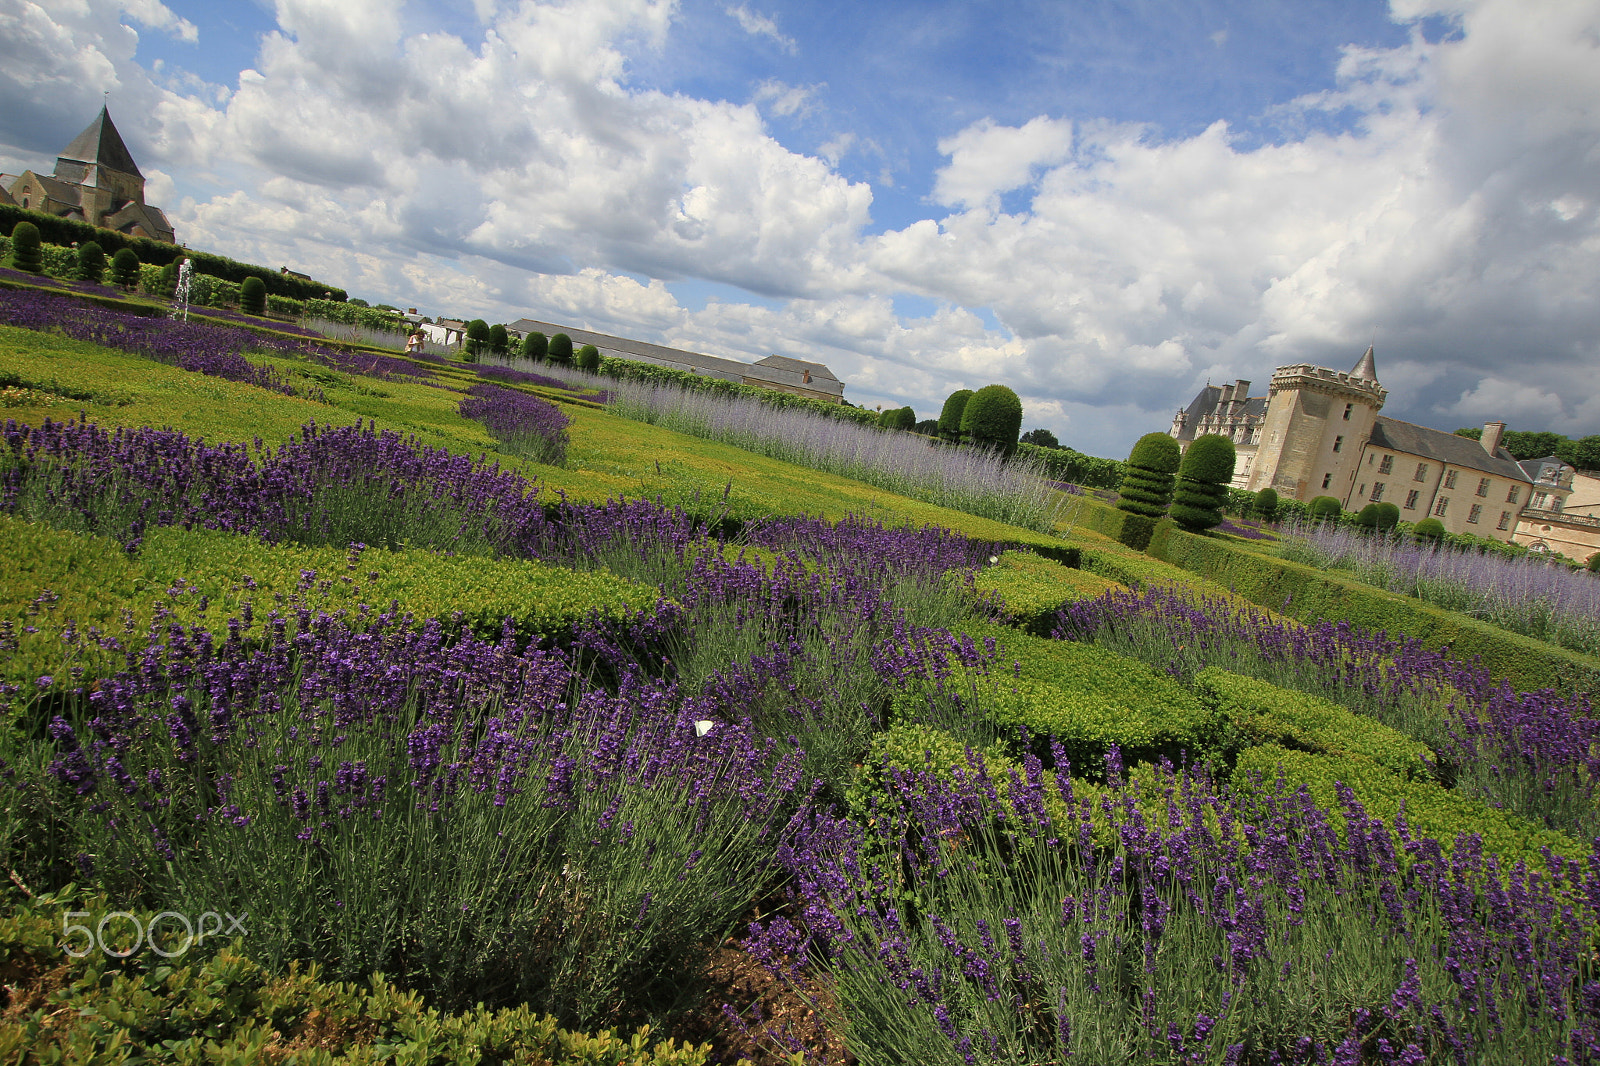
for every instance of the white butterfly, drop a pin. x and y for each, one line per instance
(702, 726)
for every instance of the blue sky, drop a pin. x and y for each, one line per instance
(1103, 205)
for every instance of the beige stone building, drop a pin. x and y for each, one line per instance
(96, 181)
(1563, 517)
(1318, 432)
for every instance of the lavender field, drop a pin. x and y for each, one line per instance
(1176, 830)
(1536, 597)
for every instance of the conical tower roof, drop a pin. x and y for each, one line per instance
(1366, 368)
(101, 143)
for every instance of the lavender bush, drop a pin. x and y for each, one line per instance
(1535, 597)
(523, 425)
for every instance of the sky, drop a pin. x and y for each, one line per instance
(1102, 205)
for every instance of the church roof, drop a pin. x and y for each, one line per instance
(1394, 435)
(1366, 368)
(101, 143)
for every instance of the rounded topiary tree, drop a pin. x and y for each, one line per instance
(125, 268)
(560, 350)
(1594, 563)
(1367, 518)
(589, 358)
(169, 278)
(253, 295)
(534, 347)
(1388, 516)
(950, 416)
(1147, 477)
(1202, 486)
(992, 418)
(477, 339)
(1267, 503)
(91, 262)
(1428, 529)
(1324, 508)
(499, 339)
(25, 252)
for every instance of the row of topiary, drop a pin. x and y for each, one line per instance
(990, 417)
(1162, 479)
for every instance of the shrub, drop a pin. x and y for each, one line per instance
(992, 418)
(950, 416)
(1041, 438)
(253, 296)
(1202, 485)
(91, 262)
(588, 358)
(1388, 516)
(125, 268)
(534, 347)
(167, 282)
(1147, 479)
(560, 350)
(477, 339)
(499, 339)
(1267, 503)
(1029, 590)
(1594, 563)
(1325, 508)
(1428, 529)
(897, 418)
(25, 253)
(1367, 518)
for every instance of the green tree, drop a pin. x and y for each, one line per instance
(477, 339)
(1267, 503)
(1428, 529)
(499, 339)
(588, 358)
(1388, 516)
(1367, 518)
(125, 268)
(950, 416)
(25, 252)
(1594, 563)
(169, 278)
(253, 295)
(993, 419)
(560, 348)
(1147, 478)
(91, 262)
(1202, 486)
(1043, 438)
(534, 346)
(1324, 508)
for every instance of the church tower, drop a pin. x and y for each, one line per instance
(1316, 423)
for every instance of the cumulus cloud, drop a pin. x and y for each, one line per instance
(1441, 196)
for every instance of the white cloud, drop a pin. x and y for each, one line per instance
(758, 25)
(159, 16)
(1455, 215)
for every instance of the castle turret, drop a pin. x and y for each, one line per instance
(1317, 420)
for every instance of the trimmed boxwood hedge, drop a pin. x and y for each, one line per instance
(1312, 595)
(1029, 589)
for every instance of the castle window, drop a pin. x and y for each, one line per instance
(1449, 479)
(1387, 465)
(1440, 507)
(1472, 515)
(1411, 499)
(1326, 480)
(1422, 472)
(1540, 499)
(1483, 486)
(1347, 409)
(1338, 442)
(1377, 491)
(1511, 497)
(1505, 519)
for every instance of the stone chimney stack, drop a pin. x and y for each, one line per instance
(1492, 432)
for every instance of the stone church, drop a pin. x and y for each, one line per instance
(1318, 432)
(95, 181)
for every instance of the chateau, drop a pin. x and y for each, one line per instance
(1318, 432)
(95, 181)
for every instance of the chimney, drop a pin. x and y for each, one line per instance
(1492, 432)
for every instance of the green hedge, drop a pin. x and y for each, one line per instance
(1312, 595)
(90, 580)
(1262, 713)
(650, 374)
(1065, 464)
(65, 231)
(1125, 527)
(1430, 811)
(216, 1005)
(1029, 589)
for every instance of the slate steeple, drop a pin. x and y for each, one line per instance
(100, 144)
(1366, 369)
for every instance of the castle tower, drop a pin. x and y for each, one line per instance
(1317, 420)
(99, 162)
